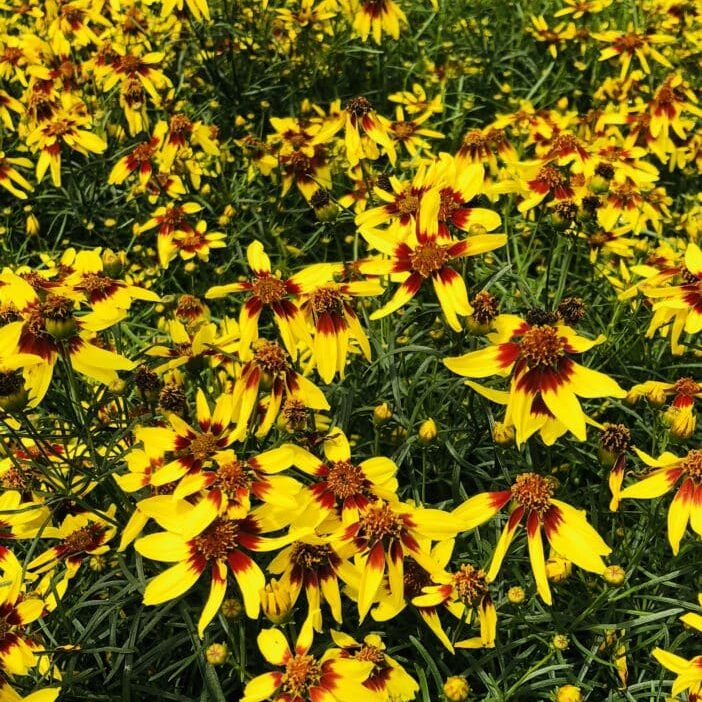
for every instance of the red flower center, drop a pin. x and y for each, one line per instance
(542, 346)
(428, 258)
(533, 492)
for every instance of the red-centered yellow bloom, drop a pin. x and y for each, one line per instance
(425, 255)
(328, 309)
(375, 17)
(545, 382)
(109, 298)
(343, 488)
(66, 126)
(674, 97)
(47, 328)
(242, 479)
(17, 611)
(679, 307)
(11, 179)
(125, 66)
(582, 8)
(268, 289)
(315, 564)
(196, 538)
(191, 348)
(192, 449)
(198, 242)
(270, 368)
(689, 673)
(140, 160)
(566, 528)
(415, 579)
(80, 535)
(387, 677)
(182, 135)
(306, 678)
(541, 181)
(461, 593)
(171, 220)
(411, 134)
(554, 37)
(416, 101)
(484, 146)
(383, 535)
(686, 506)
(627, 44)
(361, 119)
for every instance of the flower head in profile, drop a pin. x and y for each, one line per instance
(566, 528)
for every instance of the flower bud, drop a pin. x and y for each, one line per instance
(516, 595)
(502, 434)
(456, 689)
(32, 225)
(275, 602)
(558, 569)
(13, 394)
(216, 653)
(324, 208)
(428, 431)
(382, 414)
(560, 642)
(614, 575)
(232, 608)
(681, 420)
(113, 263)
(569, 693)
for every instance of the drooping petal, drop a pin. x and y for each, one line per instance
(536, 556)
(214, 601)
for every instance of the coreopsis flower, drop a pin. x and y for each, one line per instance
(427, 254)
(678, 306)
(415, 101)
(461, 593)
(197, 242)
(410, 132)
(680, 415)
(270, 368)
(545, 382)
(553, 37)
(415, 579)
(268, 289)
(48, 329)
(192, 448)
(343, 487)
(305, 677)
(183, 134)
(241, 480)
(315, 564)
(140, 160)
(686, 505)
(566, 528)
(109, 298)
(375, 17)
(328, 310)
(541, 180)
(125, 67)
(191, 348)
(626, 44)
(670, 101)
(65, 127)
(615, 441)
(198, 538)
(171, 220)
(80, 535)
(387, 677)
(485, 146)
(581, 8)
(11, 179)
(17, 611)
(384, 533)
(361, 120)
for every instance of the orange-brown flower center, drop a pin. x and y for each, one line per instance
(687, 387)
(407, 203)
(358, 106)
(310, 556)
(448, 205)
(629, 42)
(218, 540)
(404, 130)
(271, 357)
(542, 346)
(295, 414)
(469, 584)
(551, 176)
(301, 673)
(327, 300)
(83, 539)
(428, 258)
(57, 308)
(692, 465)
(203, 446)
(345, 479)
(415, 579)
(269, 289)
(371, 654)
(379, 522)
(532, 492)
(180, 124)
(234, 476)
